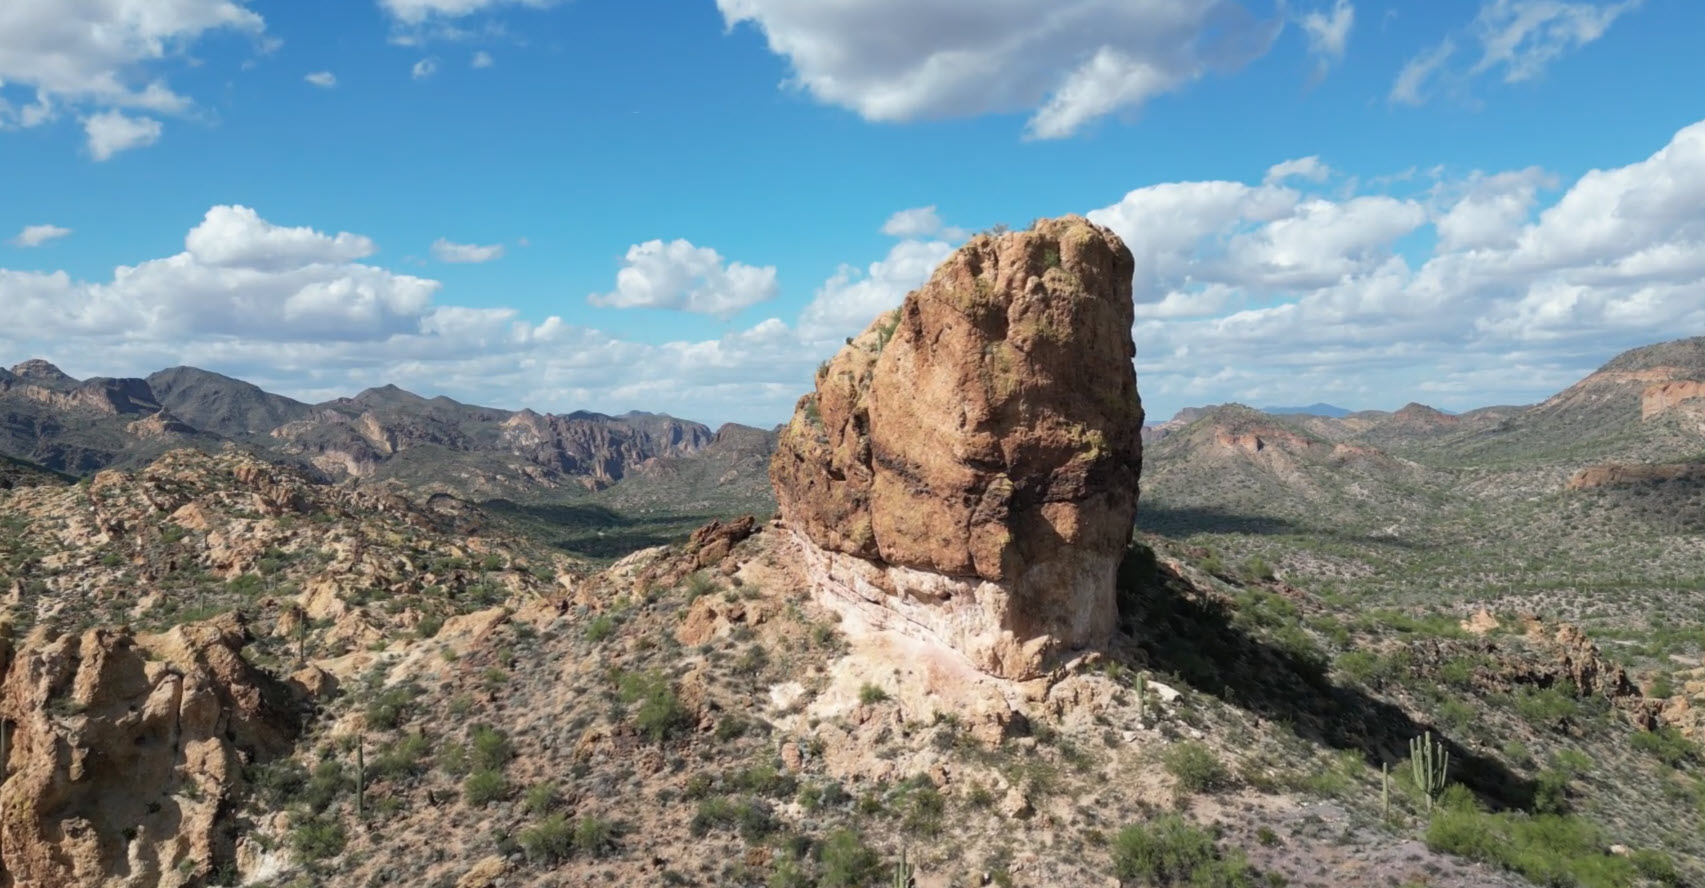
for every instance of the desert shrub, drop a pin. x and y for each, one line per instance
(392, 707)
(764, 779)
(600, 628)
(1195, 767)
(1548, 849)
(730, 727)
(540, 797)
(924, 808)
(401, 758)
(752, 818)
(327, 783)
(484, 787)
(278, 782)
(317, 837)
(848, 862)
(1361, 666)
(660, 714)
(595, 836)
(549, 840)
(1667, 744)
(428, 626)
(1551, 707)
(489, 748)
(1170, 852)
(869, 694)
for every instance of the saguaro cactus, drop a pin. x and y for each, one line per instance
(360, 776)
(902, 872)
(1429, 762)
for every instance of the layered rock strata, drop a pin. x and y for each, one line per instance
(967, 469)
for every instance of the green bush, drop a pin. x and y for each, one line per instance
(660, 714)
(595, 836)
(600, 628)
(1548, 849)
(752, 818)
(317, 838)
(1551, 707)
(279, 781)
(1196, 768)
(489, 748)
(924, 809)
(401, 758)
(869, 694)
(848, 862)
(327, 783)
(1171, 852)
(541, 797)
(392, 707)
(549, 840)
(485, 787)
(1667, 744)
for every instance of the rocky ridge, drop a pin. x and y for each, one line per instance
(438, 444)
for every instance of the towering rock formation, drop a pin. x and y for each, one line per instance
(967, 468)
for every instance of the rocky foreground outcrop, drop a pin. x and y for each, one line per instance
(967, 468)
(122, 755)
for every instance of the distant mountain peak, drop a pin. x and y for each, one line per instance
(42, 371)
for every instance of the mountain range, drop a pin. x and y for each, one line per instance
(81, 426)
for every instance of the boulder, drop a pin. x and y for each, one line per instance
(967, 468)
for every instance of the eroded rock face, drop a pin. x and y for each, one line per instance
(968, 466)
(122, 754)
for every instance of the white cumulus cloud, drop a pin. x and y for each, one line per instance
(237, 237)
(36, 235)
(447, 251)
(1309, 168)
(322, 79)
(99, 56)
(1270, 294)
(678, 275)
(424, 68)
(110, 132)
(1068, 63)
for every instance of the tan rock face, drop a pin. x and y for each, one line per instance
(121, 753)
(1666, 396)
(969, 464)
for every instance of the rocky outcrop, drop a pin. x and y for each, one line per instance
(124, 755)
(160, 425)
(711, 543)
(1666, 396)
(111, 397)
(1635, 475)
(967, 468)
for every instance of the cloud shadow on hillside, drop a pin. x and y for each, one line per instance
(1179, 631)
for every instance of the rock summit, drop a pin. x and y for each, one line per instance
(967, 468)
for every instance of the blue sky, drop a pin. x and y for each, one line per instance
(686, 205)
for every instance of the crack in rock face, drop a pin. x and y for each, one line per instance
(967, 469)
